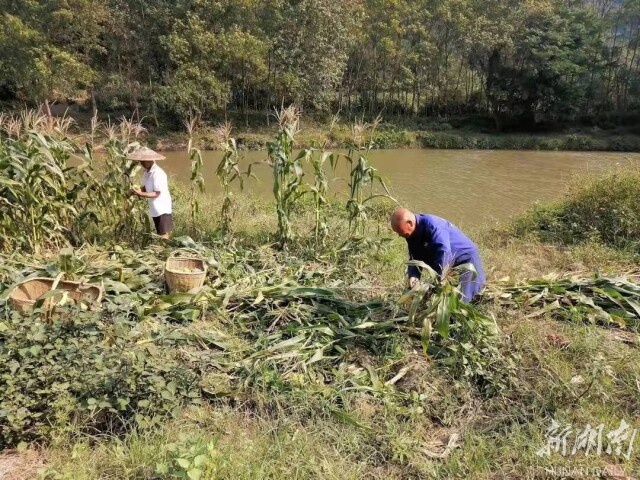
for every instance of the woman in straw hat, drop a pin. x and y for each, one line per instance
(155, 189)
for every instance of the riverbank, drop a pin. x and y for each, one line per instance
(392, 138)
(434, 135)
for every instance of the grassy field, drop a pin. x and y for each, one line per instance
(231, 385)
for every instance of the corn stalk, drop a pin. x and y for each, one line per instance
(320, 190)
(599, 300)
(287, 171)
(227, 172)
(197, 179)
(47, 202)
(463, 334)
(361, 176)
(38, 192)
(114, 213)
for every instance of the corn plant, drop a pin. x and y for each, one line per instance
(30, 120)
(57, 127)
(56, 202)
(287, 171)
(12, 126)
(361, 176)
(319, 190)
(130, 130)
(95, 124)
(227, 172)
(70, 264)
(197, 179)
(320, 187)
(38, 192)
(598, 300)
(114, 213)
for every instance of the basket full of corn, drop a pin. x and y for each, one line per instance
(184, 270)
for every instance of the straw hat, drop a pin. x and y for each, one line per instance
(145, 154)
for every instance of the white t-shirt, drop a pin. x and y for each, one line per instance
(155, 180)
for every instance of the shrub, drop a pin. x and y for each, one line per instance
(445, 140)
(605, 209)
(251, 142)
(579, 142)
(391, 138)
(623, 144)
(438, 126)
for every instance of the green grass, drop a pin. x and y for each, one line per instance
(246, 448)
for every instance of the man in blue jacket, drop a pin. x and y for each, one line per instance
(438, 243)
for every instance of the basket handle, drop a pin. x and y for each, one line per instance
(56, 281)
(48, 303)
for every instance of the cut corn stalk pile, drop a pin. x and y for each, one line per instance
(254, 311)
(263, 320)
(600, 300)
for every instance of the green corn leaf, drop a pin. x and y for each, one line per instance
(443, 313)
(634, 305)
(288, 343)
(425, 335)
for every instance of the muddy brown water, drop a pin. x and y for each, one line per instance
(471, 188)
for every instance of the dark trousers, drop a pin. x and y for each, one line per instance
(163, 223)
(471, 286)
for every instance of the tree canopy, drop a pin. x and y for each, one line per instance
(519, 61)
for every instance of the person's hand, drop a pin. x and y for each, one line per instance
(134, 191)
(413, 281)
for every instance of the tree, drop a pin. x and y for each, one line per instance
(32, 68)
(311, 46)
(193, 85)
(519, 61)
(541, 74)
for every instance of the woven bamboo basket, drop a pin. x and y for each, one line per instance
(25, 295)
(184, 273)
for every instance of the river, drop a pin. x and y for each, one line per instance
(469, 187)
